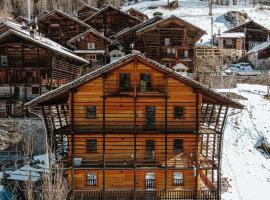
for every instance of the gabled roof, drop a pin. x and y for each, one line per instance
(259, 47)
(138, 26)
(90, 30)
(207, 93)
(172, 18)
(86, 6)
(134, 10)
(245, 24)
(15, 29)
(107, 8)
(56, 11)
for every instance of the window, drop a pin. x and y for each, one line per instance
(167, 41)
(150, 181)
(178, 112)
(169, 50)
(91, 57)
(145, 82)
(178, 179)
(150, 150)
(35, 90)
(91, 145)
(124, 82)
(173, 51)
(178, 146)
(150, 117)
(91, 45)
(91, 179)
(4, 61)
(228, 41)
(90, 112)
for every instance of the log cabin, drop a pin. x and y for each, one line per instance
(135, 129)
(111, 20)
(58, 26)
(85, 11)
(92, 46)
(31, 65)
(135, 13)
(168, 41)
(255, 33)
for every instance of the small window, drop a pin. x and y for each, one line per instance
(91, 145)
(90, 112)
(173, 51)
(91, 45)
(91, 179)
(178, 179)
(91, 57)
(124, 82)
(4, 61)
(178, 112)
(145, 82)
(178, 146)
(150, 181)
(169, 50)
(228, 41)
(35, 90)
(167, 41)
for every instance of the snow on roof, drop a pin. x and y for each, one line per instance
(87, 6)
(232, 35)
(89, 51)
(259, 47)
(16, 29)
(180, 66)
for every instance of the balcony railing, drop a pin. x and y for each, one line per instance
(150, 184)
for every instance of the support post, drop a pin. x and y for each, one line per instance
(72, 139)
(104, 134)
(166, 134)
(197, 144)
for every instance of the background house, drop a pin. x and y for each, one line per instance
(259, 56)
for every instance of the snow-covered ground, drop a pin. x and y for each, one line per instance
(197, 13)
(246, 168)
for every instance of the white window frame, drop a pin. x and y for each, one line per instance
(178, 176)
(91, 45)
(167, 41)
(88, 177)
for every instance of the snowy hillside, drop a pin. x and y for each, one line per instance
(196, 12)
(247, 169)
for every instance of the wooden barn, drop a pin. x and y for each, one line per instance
(135, 129)
(31, 65)
(168, 41)
(92, 46)
(259, 56)
(135, 13)
(255, 33)
(85, 11)
(111, 20)
(59, 26)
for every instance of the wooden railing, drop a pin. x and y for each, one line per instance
(146, 195)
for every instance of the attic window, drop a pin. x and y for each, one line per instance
(124, 82)
(91, 45)
(4, 61)
(167, 41)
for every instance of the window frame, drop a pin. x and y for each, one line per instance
(148, 85)
(4, 58)
(95, 179)
(125, 88)
(91, 141)
(87, 116)
(91, 45)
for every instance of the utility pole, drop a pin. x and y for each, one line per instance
(212, 31)
(29, 9)
(210, 7)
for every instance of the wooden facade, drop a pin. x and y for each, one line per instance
(135, 13)
(86, 11)
(254, 32)
(92, 46)
(111, 20)
(59, 26)
(168, 41)
(135, 129)
(31, 65)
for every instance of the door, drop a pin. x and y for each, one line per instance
(150, 150)
(16, 92)
(150, 117)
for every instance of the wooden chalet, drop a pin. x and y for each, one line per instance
(85, 11)
(92, 46)
(135, 13)
(59, 26)
(168, 41)
(111, 20)
(254, 32)
(135, 129)
(259, 56)
(31, 65)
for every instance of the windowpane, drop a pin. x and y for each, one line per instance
(178, 146)
(145, 82)
(124, 82)
(167, 41)
(178, 111)
(178, 178)
(91, 46)
(90, 112)
(4, 61)
(91, 179)
(91, 145)
(35, 90)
